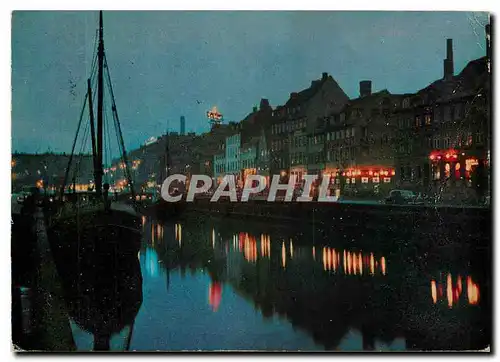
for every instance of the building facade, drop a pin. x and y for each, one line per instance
(359, 142)
(443, 131)
(297, 119)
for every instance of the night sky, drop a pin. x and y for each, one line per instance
(168, 64)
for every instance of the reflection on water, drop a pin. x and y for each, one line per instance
(454, 295)
(270, 289)
(214, 295)
(178, 233)
(281, 276)
(352, 262)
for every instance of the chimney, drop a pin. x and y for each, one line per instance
(448, 62)
(293, 95)
(183, 125)
(254, 109)
(365, 88)
(324, 76)
(264, 103)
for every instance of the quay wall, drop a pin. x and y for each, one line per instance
(378, 216)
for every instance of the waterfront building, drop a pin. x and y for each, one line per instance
(443, 131)
(359, 142)
(219, 163)
(248, 154)
(297, 118)
(46, 171)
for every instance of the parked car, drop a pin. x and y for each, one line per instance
(404, 197)
(20, 197)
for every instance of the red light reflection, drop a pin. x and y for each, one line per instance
(454, 291)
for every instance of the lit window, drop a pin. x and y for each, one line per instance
(457, 170)
(428, 119)
(376, 180)
(447, 170)
(436, 173)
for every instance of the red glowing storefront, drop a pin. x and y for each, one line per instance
(366, 178)
(452, 165)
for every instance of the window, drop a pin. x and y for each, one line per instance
(457, 171)
(428, 119)
(457, 111)
(469, 139)
(446, 142)
(447, 114)
(417, 121)
(328, 136)
(447, 170)
(436, 173)
(348, 133)
(437, 114)
(479, 137)
(352, 132)
(435, 143)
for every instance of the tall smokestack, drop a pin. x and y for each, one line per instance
(449, 49)
(183, 126)
(448, 62)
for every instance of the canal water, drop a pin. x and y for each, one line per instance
(213, 284)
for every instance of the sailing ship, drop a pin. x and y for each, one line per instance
(95, 237)
(96, 221)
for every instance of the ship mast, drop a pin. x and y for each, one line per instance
(100, 95)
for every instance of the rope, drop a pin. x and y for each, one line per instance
(66, 174)
(121, 144)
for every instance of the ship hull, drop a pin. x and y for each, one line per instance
(97, 233)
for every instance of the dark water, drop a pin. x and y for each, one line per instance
(236, 285)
